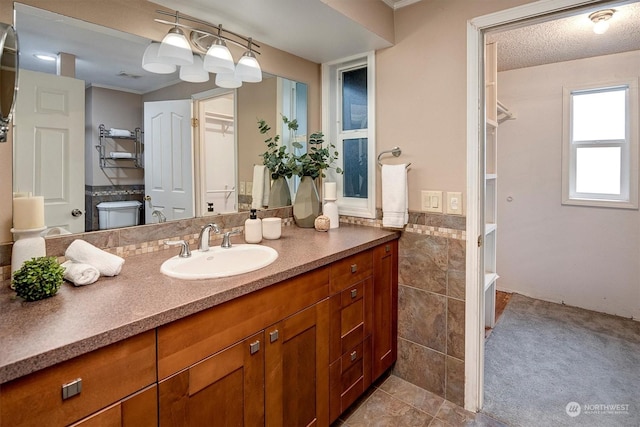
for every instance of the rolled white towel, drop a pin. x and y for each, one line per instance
(120, 155)
(83, 252)
(80, 274)
(120, 132)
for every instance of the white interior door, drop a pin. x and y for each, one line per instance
(49, 146)
(168, 159)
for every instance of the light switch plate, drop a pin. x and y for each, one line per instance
(432, 201)
(242, 188)
(454, 203)
(248, 188)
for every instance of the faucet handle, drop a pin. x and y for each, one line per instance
(185, 252)
(226, 242)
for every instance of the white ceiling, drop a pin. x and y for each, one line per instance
(307, 28)
(568, 39)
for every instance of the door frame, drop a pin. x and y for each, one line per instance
(474, 301)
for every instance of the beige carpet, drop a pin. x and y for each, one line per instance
(551, 365)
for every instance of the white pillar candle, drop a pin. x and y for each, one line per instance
(330, 190)
(28, 212)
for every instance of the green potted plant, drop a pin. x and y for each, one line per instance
(310, 166)
(38, 278)
(280, 163)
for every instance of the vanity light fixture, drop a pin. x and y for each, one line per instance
(178, 50)
(601, 19)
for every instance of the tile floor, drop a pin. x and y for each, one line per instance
(393, 402)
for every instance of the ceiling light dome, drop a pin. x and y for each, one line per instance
(601, 19)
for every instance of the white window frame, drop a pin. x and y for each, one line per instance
(332, 128)
(628, 198)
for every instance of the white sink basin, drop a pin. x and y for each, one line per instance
(219, 262)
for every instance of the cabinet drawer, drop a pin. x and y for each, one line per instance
(350, 270)
(349, 377)
(106, 376)
(351, 312)
(139, 410)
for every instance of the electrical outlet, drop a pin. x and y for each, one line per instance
(432, 201)
(454, 203)
(242, 188)
(248, 188)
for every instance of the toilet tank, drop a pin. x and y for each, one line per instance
(118, 214)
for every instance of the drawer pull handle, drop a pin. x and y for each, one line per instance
(354, 293)
(354, 268)
(387, 248)
(273, 336)
(254, 347)
(71, 389)
(354, 355)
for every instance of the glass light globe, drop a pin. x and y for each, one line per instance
(248, 68)
(154, 64)
(175, 48)
(194, 73)
(218, 58)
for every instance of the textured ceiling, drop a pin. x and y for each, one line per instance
(568, 39)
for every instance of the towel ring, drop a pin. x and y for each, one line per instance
(396, 151)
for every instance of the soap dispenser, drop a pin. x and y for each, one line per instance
(253, 228)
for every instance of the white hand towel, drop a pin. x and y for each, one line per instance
(395, 200)
(80, 274)
(83, 252)
(120, 133)
(261, 187)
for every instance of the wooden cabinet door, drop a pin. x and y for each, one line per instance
(225, 389)
(297, 364)
(139, 410)
(385, 307)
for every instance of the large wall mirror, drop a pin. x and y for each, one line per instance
(8, 76)
(76, 76)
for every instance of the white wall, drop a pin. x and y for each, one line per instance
(586, 257)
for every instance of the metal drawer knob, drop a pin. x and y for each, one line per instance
(354, 268)
(273, 336)
(254, 347)
(354, 293)
(354, 355)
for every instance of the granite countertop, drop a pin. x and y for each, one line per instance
(36, 335)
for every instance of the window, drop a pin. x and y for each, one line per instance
(600, 146)
(348, 122)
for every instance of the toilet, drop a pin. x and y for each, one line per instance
(118, 214)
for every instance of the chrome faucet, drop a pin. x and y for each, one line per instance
(203, 240)
(226, 242)
(160, 215)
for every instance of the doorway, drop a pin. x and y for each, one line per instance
(474, 328)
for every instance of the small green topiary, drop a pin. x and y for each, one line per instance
(38, 278)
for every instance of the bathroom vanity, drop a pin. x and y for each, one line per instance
(292, 344)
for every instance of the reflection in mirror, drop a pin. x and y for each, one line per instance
(99, 71)
(8, 76)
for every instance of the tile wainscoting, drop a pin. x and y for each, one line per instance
(431, 285)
